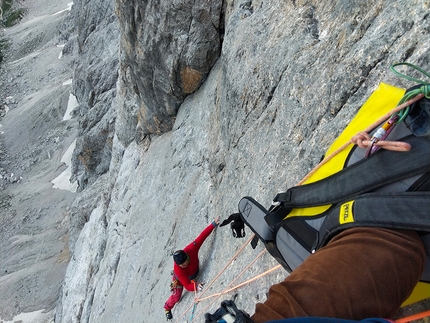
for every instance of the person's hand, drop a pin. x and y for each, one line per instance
(216, 220)
(200, 286)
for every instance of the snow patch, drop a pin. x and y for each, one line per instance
(71, 105)
(69, 7)
(62, 182)
(32, 317)
(61, 53)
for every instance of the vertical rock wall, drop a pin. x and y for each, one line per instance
(290, 76)
(167, 51)
(96, 47)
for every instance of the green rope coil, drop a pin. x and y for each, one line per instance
(424, 89)
(409, 78)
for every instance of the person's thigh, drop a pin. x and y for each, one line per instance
(361, 273)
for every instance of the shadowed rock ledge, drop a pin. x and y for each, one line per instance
(167, 51)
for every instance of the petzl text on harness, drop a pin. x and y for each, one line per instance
(344, 192)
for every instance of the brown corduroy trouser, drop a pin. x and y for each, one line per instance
(360, 273)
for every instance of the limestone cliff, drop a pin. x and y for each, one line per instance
(191, 140)
(184, 108)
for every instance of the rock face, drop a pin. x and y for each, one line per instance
(289, 78)
(95, 47)
(167, 51)
(34, 216)
(212, 102)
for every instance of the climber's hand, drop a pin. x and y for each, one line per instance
(200, 286)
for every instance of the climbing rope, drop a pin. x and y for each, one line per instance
(363, 140)
(407, 77)
(228, 264)
(413, 317)
(364, 133)
(242, 284)
(195, 302)
(231, 283)
(424, 89)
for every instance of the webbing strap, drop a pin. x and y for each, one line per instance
(401, 210)
(380, 169)
(302, 232)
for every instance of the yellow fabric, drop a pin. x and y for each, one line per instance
(382, 100)
(420, 292)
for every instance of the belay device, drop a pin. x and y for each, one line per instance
(346, 191)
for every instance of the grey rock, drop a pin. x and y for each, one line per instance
(290, 77)
(34, 216)
(93, 34)
(158, 158)
(167, 51)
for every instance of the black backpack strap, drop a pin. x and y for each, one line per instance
(380, 169)
(401, 210)
(277, 215)
(302, 232)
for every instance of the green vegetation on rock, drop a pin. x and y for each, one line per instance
(4, 44)
(10, 15)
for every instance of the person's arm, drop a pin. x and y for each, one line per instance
(205, 233)
(186, 282)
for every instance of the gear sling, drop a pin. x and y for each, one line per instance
(387, 189)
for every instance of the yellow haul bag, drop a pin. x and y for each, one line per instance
(307, 216)
(382, 100)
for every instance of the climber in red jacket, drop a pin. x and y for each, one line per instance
(186, 268)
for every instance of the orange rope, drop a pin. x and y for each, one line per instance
(413, 317)
(324, 161)
(368, 129)
(223, 292)
(225, 267)
(242, 284)
(363, 140)
(195, 290)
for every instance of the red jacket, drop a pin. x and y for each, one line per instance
(192, 250)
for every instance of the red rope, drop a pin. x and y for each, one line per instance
(413, 317)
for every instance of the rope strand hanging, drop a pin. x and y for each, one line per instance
(325, 160)
(363, 140)
(223, 292)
